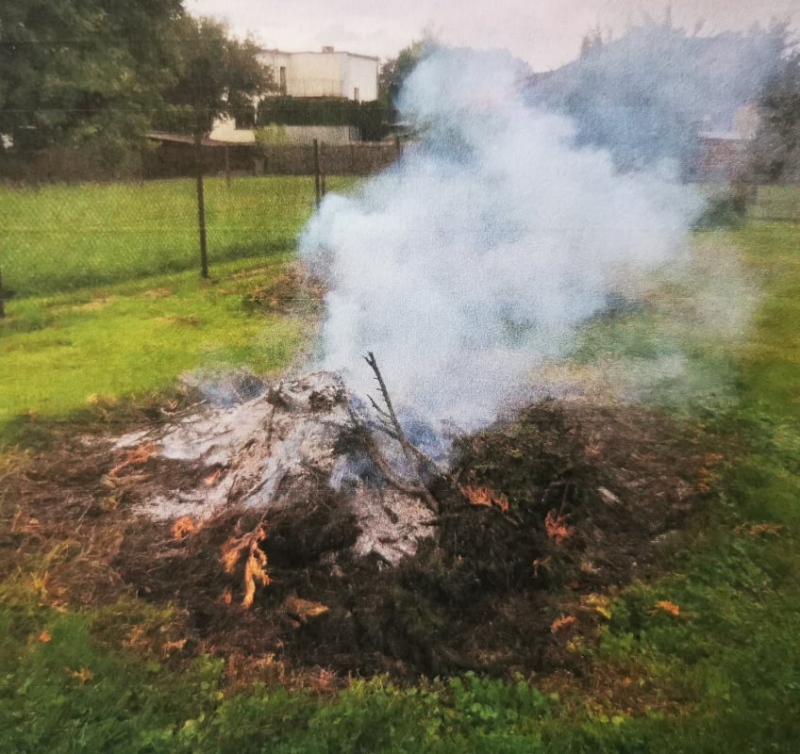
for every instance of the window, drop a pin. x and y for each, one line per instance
(245, 120)
(357, 94)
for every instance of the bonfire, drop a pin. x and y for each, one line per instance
(298, 521)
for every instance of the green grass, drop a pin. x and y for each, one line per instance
(61, 353)
(734, 653)
(62, 691)
(772, 359)
(680, 345)
(60, 238)
(778, 203)
(728, 666)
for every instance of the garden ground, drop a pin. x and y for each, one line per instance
(118, 635)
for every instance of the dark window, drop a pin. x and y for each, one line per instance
(245, 120)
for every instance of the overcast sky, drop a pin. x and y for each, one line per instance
(546, 33)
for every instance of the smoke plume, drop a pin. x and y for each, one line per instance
(648, 95)
(475, 259)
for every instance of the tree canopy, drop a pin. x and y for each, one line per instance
(103, 73)
(395, 71)
(776, 151)
(75, 69)
(216, 75)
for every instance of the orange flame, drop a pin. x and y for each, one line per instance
(485, 496)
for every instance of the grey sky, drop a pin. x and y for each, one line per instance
(546, 33)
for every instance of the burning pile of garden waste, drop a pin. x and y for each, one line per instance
(448, 510)
(289, 525)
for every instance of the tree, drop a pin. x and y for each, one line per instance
(776, 149)
(74, 70)
(216, 76)
(395, 71)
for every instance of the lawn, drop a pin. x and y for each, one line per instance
(65, 353)
(719, 671)
(732, 655)
(777, 203)
(60, 238)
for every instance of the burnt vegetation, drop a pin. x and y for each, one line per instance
(537, 522)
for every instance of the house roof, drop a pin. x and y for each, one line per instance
(186, 139)
(319, 52)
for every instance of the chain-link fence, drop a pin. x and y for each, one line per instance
(60, 236)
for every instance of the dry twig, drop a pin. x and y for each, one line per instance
(390, 425)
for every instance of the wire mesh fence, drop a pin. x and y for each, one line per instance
(57, 237)
(60, 236)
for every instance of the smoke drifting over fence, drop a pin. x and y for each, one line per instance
(475, 259)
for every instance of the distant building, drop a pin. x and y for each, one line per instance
(307, 75)
(227, 130)
(324, 74)
(721, 157)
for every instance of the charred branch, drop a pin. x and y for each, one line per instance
(385, 467)
(390, 425)
(395, 430)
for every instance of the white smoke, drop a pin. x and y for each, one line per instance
(475, 259)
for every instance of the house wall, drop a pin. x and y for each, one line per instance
(720, 159)
(276, 60)
(333, 135)
(324, 74)
(359, 73)
(225, 130)
(747, 121)
(314, 74)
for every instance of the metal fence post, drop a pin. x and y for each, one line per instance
(323, 169)
(317, 176)
(201, 206)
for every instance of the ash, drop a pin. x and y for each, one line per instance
(293, 446)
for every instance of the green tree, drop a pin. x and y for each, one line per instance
(395, 71)
(216, 76)
(73, 70)
(776, 150)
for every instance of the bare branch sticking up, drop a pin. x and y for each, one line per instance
(395, 430)
(386, 468)
(390, 425)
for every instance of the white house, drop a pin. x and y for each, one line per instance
(344, 75)
(324, 74)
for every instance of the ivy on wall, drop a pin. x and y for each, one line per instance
(370, 118)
